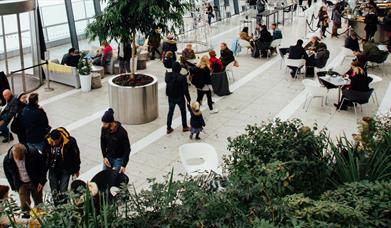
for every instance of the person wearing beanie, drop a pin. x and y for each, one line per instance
(63, 156)
(114, 142)
(177, 90)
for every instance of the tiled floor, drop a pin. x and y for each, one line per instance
(261, 91)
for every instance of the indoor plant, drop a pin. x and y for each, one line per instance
(84, 69)
(134, 96)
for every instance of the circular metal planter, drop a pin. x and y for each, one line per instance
(134, 105)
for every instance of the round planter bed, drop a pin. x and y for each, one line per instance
(134, 105)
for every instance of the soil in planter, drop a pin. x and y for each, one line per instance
(138, 80)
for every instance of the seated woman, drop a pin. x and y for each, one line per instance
(220, 82)
(243, 35)
(188, 53)
(319, 59)
(351, 42)
(215, 64)
(359, 81)
(103, 57)
(313, 44)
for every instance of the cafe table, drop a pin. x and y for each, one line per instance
(336, 81)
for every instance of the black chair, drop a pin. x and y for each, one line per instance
(356, 97)
(109, 178)
(379, 60)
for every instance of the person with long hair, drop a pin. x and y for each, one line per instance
(323, 22)
(202, 80)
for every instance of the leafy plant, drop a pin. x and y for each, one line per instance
(84, 66)
(122, 19)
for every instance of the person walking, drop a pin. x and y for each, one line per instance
(25, 170)
(154, 41)
(63, 156)
(177, 91)
(8, 111)
(114, 143)
(17, 125)
(35, 122)
(124, 56)
(336, 17)
(324, 20)
(197, 121)
(371, 21)
(203, 82)
(209, 11)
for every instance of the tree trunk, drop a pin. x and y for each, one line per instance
(134, 52)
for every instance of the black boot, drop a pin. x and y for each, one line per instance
(8, 139)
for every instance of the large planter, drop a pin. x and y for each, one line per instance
(134, 105)
(85, 82)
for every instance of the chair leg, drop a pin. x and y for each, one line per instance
(305, 102)
(309, 103)
(355, 111)
(321, 104)
(374, 98)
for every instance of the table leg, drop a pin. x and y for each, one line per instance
(283, 17)
(339, 94)
(267, 22)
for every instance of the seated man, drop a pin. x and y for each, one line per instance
(277, 34)
(351, 42)
(71, 58)
(188, 53)
(264, 41)
(318, 59)
(103, 57)
(312, 45)
(372, 52)
(7, 113)
(297, 52)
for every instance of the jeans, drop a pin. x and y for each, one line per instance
(38, 146)
(25, 191)
(116, 163)
(171, 107)
(200, 96)
(59, 180)
(124, 66)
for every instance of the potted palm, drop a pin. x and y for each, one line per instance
(84, 69)
(134, 96)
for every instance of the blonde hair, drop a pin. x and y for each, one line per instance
(195, 108)
(204, 62)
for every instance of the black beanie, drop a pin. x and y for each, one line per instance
(108, 117)
(176, 67)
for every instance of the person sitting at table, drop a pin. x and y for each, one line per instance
(168, 60)
(257, 32)
(188, 53)
(215, 64)
(245, 36)
(264, 41)
(71, 58)
(297, 52)
(351, 42)
(372, 52)
(318, 59)
(359, 81)
(103, 57)
(277, 34)
(312, 45)
(226, 55)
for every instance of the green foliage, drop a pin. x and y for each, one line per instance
(300, 148)
(84, 66)
(123, 18)
(367, 159)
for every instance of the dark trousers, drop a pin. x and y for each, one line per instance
(200, 96)
(4, 130)
(59, 180)
(27, 190)
(369, 34)
(172, 102)
(153, 51)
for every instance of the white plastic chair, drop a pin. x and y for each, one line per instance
(229, 70)
(193, 152)
(347, 53)
(274, 45)
(245, 44)
(313, 89)
(298, 63)
(375, 80)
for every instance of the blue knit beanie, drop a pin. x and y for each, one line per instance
(108, 117)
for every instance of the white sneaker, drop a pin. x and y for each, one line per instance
(214, 111)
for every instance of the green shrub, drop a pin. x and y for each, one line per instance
(300, 148)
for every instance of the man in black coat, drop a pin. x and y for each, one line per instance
(226, 55)
(25, 170)
(63, 159)
(297, 52)
(114, 143)
(71, 58)
(35, 122)
(264, 41)
(177, 90)
(7, 113)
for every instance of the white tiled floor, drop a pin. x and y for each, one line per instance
(262, 91)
